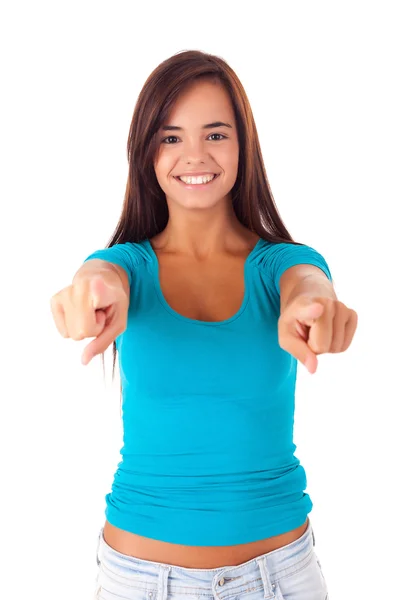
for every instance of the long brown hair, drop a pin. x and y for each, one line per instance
(145, 210)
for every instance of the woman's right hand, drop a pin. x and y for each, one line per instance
(93, 306)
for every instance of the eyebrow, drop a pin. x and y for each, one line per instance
(208, 126)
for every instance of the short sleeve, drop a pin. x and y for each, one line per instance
(119, 254)
(282, 256)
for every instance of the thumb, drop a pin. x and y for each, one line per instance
(102, 293)
(305, 313)
(300, 350)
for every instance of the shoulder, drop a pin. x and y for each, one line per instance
(129, 255)
(134, 252)
(273, 258)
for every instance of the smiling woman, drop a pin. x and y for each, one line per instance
(209, 495)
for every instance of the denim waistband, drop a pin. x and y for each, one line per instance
(260, 572)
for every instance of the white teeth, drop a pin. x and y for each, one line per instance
(197, 180)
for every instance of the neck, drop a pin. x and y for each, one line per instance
(202, 233)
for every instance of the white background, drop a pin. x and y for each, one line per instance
(321, 79)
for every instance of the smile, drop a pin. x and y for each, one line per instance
(192, 186)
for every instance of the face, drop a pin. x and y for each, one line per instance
(189, 147)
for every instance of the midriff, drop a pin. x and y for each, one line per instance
(194, 557)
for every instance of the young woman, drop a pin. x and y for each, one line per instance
(210, 304)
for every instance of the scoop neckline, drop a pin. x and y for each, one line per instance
(180, 317)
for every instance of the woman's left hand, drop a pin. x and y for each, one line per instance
(311, 326)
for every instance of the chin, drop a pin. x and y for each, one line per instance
(196, 204)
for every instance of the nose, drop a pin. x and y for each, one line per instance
(194, 151)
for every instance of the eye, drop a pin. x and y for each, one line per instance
(164, 141)
(222, 136)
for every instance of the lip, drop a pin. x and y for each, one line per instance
(197, 174)
(200, 186)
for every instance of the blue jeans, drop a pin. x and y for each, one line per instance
(292, 572)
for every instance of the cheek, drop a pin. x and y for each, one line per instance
(163, 167)
(231, 165)
(163, 164)
(159, 169)
(229, 157)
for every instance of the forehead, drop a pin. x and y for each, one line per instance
(203, 102)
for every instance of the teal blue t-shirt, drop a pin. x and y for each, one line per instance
(208, 410)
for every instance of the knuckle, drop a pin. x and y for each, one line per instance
(81, 327)
(77, 336)
(335, 349)
(321, 348)
(80, 332)
(55, 305)
(283, 342)
(55, 299)
(316, 347)
(121, 329)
